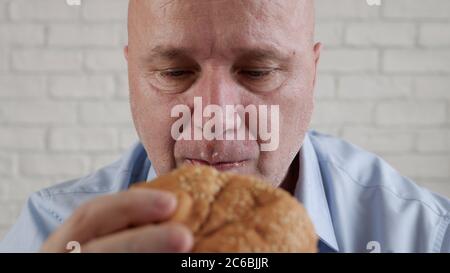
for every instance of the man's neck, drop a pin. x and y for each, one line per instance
(290, 181)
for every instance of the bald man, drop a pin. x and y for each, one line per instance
(248, 53)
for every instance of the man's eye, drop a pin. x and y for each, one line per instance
(172, 80)
(256, 74)
(263, 79)
(176, 73)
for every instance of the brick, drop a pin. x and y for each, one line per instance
(47, 60)
(10, 212)
(326, 9)
(76, 87)
(123, 34)
(416, 9)
(435, 34)
(128, 137)
(22, 139)
(380, 140)
(380, 34)
(83, 139)
(43, 10)
(6, 164)
(374, 87)
(348, 60)
(429, 166)
(413, 60)
(434, 141)
(329, 33)
(342, 112)
(26, 112)
(410, 113)
(100, 161)
(123, 89)
(433, 87)
(325, 87)
(19, 189)
(106, 60)
(22, 34)
(4, 59)
(12, 86)
(105, 10)
(440, 187)
(83, 35)
(329, 129)
(3, 14)
(48, 165)
(105, 113)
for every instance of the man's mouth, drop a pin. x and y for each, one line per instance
(221, 165)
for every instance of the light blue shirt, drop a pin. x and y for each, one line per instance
(356, 201)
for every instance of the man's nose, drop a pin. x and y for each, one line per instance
(218, 91)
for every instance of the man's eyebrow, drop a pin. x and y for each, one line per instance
(169, 53)
(261, 54)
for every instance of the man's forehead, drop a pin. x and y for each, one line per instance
(258, 53)
(260, 9)
(207, 24)
(258, 3)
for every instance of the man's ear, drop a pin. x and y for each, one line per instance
(125, 52)
(317, 50)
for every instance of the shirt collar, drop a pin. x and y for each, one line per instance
(151, 173)
(309, 190)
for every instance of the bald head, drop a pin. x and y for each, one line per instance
(296, 15)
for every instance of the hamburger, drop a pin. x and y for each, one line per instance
(229, 212)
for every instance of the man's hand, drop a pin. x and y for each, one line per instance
(123, 222)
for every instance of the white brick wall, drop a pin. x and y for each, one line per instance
(384, 84)
(391, 66)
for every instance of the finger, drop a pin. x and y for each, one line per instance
(169, 237)
(111, 213)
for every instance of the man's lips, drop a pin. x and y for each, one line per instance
(222, 165)
(223, 155)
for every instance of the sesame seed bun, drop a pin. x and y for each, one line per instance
(235, 213)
